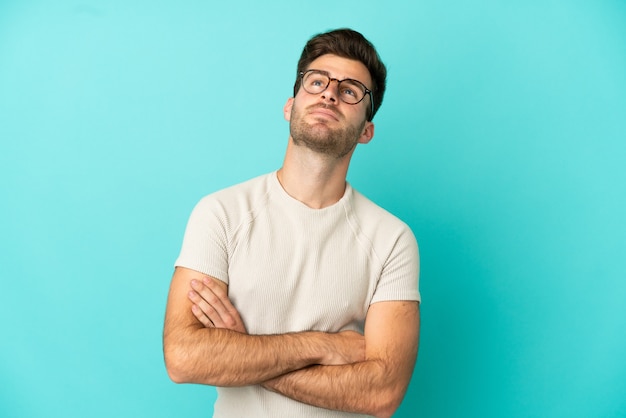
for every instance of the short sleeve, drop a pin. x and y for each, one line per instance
(400, 274)
(205, 244)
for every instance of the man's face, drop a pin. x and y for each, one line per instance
(324, 123)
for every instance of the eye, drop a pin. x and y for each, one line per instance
(349, 92)
(315, 82)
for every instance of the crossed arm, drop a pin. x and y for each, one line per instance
(205, 341)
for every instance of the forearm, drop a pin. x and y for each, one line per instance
(221, 357)
(229, 357)
(364, 387)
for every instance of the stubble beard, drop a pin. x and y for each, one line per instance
(320, 138)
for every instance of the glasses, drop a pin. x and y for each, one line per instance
(350, 91)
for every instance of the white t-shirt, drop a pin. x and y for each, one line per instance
(292, 268)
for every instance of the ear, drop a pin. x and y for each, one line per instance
(367, 134)
(287, 109)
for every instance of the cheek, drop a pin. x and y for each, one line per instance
(295, 108)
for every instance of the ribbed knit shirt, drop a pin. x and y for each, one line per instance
(292, 268)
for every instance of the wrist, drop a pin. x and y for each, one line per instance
(324, 351)
(270, 384)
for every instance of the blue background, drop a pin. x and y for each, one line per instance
(501, 142)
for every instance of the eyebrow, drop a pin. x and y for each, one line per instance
(340, 80)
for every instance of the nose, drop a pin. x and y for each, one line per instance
(331, 94)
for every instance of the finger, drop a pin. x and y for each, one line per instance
(197, 311)
(219, 290)
(215, 299)
(232, 318)
(205, 309)
(204, 320)
(228, 313)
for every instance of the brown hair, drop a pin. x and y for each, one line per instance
(346, 43)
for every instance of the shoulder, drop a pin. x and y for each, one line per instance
(393, 243)
(243, 195)
(372, 216)
(386, 233)
(233, 205)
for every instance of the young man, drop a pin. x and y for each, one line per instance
(294, 294)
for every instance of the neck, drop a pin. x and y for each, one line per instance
(316, 180)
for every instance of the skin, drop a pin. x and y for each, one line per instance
(317, 135)
(222, 357)
(205, 339)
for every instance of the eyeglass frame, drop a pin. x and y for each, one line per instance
(330, 79)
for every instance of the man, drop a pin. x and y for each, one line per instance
(294, 294)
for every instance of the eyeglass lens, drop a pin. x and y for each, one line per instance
(350, 91)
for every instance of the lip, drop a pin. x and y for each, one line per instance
(322, 111)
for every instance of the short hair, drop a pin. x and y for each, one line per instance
(346, 43)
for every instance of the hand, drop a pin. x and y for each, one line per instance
(346, 347)
(212, 307)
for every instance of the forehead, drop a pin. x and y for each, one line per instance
(342, 68)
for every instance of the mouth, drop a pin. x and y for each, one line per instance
(324, 112)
